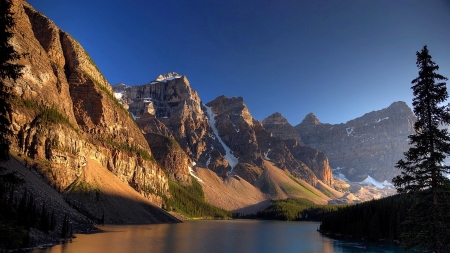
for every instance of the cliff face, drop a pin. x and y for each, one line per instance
(251, 143)
(369, 145)
(280, 127)
(64, 112)
(317, 161)
(221, 135)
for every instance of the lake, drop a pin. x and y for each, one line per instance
(216, 236)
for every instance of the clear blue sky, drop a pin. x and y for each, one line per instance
(338, 58)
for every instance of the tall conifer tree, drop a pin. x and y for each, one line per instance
(8, 70)
(427, 226)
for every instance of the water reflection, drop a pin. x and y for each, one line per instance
(213, 236)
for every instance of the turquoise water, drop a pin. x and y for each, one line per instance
(215, 236)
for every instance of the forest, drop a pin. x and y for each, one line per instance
(373, 220)
(190, 201)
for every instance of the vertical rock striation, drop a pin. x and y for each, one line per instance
(64, 112)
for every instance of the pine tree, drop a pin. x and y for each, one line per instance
(8, 70)
(427, 227)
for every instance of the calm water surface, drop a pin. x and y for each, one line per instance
(215, 236)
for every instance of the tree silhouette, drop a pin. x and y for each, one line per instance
(8, 70)
(423, 170)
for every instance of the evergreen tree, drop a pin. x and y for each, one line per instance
(427, 227)
(8, 70)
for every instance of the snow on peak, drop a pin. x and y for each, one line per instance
(349, 130)
(371, 181)
(386, 183)
(232, 160)
(167, 77)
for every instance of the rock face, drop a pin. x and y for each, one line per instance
(369, 145)
(317, 161)
(280, 127)
(220, 135)
(64, 112)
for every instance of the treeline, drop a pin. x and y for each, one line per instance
(291, 209)
(373, 220)
(190, 201)
(47, 114)
(18, 217)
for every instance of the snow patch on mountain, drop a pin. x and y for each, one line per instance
(232, 160)
(265, 155)
(209, 160)
(386, 183)
(349, 130)
(340, 176)
(379, 120)
(167, 77)
(191, 172)
(371, 181)
(118, 95)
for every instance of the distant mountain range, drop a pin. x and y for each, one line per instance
(76, 130)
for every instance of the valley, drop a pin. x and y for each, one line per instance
(117, 154)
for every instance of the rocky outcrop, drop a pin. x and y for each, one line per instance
(172, 101)
(170, 156)
(369, 145)
(315, 160)
(250, 143)
(222, 135)
(280, 127)
(64, 112)
(235, 127)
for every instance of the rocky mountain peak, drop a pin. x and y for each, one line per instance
(366, 146)
(276, 118)
(280, 127)
(234, 107)
(167, 77)
(311, 119)
(119, 88)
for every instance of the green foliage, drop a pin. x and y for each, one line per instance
(18, 217)
(12, 232)
(8, 70)
(293, 209)
(190, 200)
(423, 169)
(419, 230)
(166, 145)
(268, 186)
(305, 189)
(373, 220)
(46, 114)
(128, 148)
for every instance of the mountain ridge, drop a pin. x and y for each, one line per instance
(69, 122)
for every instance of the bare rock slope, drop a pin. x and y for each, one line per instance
(64, 112)
(369, 145)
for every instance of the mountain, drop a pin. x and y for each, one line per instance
(118, 153)
(280, 127)
(69, 128)
(220, 135)
(366, 146)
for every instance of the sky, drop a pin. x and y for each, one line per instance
(338, 59)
